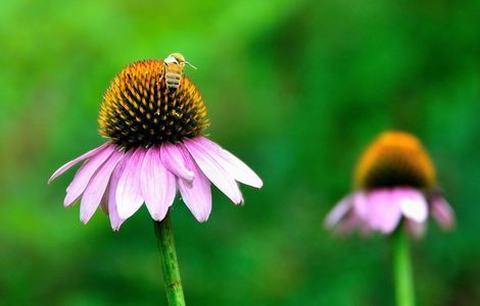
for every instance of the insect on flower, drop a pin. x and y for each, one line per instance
(155, 146)
(174, 65)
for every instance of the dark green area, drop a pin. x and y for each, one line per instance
(294, 88)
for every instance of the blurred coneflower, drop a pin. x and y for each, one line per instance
(395, 191)
(153, 118)
(394, 181)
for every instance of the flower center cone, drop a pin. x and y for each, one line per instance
(395, 159)
(140, 110)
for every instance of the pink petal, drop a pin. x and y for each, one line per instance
(72, 163)
(96, 187)
(129, 193)
(158, 185)
(339, 212)
(383, 213)
(197, 194)
(233, 165)
(360, 213)
(115, 220)
(173, 160)
(412, 203)
(416, 229)
(215, 172)
(442, 212)
(360, 204)
(104, 202)
(85, 173)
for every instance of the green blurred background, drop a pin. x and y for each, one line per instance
(294, 88)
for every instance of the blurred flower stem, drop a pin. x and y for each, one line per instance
(402, 268)
(168, 256)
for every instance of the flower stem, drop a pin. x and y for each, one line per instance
(402, 268)
(169, 262)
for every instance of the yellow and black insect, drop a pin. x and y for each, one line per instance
(174, 64)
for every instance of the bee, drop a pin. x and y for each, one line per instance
(174, 64)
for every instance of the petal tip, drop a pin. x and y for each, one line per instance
(258, 184)
(116, 224)
(67, 202)
(202, 218)
(84, 218)
(158, 217)
(239, 202)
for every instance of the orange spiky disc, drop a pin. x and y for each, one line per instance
(139, 109)
(395, 159)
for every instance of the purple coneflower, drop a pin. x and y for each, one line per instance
(154, 147)
(395, 185)
(395, 181)
(153, 118)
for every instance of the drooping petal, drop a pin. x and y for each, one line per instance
(233, 165)
(360, 212)
(215, 172)
(416, 229)
(360, 204)
(158, 185)
(115, 220)
(196, 194)
(104, 201)
(172, 158)
(339, 212)
(75, 161)
(85, 173)
(96, 187)
(383, 213)
(442, 212)
(412, 203)
(129, 193)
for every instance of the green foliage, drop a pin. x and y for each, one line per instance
(294, 88)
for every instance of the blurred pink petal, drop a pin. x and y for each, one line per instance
(129, 194)
(351, 222)
(196, 194)
(360, 211)
(72, 163)
(442, 212)
(173, 160)
(93, 194)
(233, 165)
(416, 229)
(339, 212)
(412, 203)
(214, 171)
(85, 173)
(383, 213)
(360, 204)
(158, 185)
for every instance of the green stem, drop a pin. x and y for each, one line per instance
(402, 268)
(168, 255)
